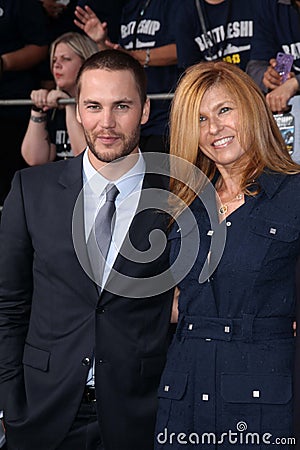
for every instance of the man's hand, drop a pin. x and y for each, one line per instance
(88, 22)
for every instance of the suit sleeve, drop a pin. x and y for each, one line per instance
(16, 255)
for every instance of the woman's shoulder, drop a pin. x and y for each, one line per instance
(293, 180)
(272, 180)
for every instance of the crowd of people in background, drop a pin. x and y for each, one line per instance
(166, 37)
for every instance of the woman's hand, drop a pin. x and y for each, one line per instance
(39, 98)
(53, 97)
(45, 99)
(174, 315)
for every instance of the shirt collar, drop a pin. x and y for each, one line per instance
(270, 181)
(284, 2)
(126, 184)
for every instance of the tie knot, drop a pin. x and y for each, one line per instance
(111, 192)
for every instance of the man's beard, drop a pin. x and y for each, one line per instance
(107, 156)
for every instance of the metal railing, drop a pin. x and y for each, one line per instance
(294, 102)
(71, 101)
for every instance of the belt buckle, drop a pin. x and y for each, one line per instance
(90, 394)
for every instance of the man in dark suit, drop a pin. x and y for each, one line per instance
(80, 362)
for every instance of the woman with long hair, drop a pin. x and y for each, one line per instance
(228, 378)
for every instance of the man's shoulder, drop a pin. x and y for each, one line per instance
(157, 170)
(52, 170)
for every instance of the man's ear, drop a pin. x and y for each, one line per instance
(77, 114)
(146, 111)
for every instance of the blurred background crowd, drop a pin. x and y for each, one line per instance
(44, 42)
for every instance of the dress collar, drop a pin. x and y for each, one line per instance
(270, 181)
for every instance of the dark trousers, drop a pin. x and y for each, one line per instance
(84, 433)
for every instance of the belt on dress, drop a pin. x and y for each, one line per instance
(247, 328)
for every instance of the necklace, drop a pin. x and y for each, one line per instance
(224, 207)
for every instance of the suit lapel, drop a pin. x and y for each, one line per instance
(72, 194)
(146, 219)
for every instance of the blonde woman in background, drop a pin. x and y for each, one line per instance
(53, 131)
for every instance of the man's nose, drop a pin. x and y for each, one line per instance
(107, 119)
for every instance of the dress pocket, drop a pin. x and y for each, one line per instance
(173, 385)
(279, 231)
(270, 241)
(261, 402)
(172, 411)
(256, 388)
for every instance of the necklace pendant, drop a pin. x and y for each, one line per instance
(223, 209)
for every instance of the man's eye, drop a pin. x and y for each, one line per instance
(122, 106)
(93, 107)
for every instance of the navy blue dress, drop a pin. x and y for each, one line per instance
(228, 377)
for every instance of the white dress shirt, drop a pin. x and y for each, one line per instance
(129, 186)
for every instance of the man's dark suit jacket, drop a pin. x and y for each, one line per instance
(52, 319)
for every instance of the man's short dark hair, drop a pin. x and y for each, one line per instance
(115, 60)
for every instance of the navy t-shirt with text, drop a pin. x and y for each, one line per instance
(154, 28)
(229, 28)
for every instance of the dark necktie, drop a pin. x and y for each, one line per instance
(101, 235)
